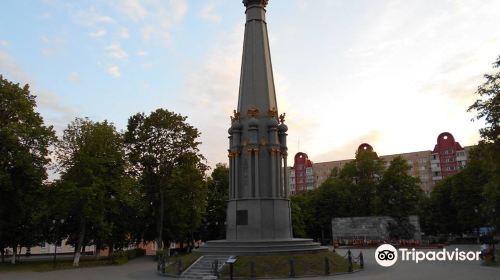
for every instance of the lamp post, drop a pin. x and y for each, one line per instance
(56, 233)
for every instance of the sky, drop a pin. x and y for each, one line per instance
(390, 73)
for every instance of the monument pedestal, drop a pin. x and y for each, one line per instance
(261, 247)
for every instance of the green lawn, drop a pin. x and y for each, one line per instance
(279, 265)
(186, 260)
(47, 265)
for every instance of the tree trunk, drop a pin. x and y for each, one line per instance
(20, 248)
(2, 252)
(97, 253)
(78, 249)
(14, 255)
(110, 251)
(160, 221)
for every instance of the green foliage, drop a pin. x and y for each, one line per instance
(215, 216)
(299, 228)
(119, 257)
(488, 105)
(123, 256)
(93, 183)
(398, 193)
(467, 200)
(361, 188)
(363, 175)
(24, 150)
(163, 151)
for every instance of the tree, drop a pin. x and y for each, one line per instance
(185, 198)
(24, 150)
(156, 145)
(298, 219)
(363, 174)
(444, 214)
(488, 106)
(398, 193)
(92, 163)
(218, 193)
(486, 153)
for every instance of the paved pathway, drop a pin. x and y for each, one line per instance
(144, 268)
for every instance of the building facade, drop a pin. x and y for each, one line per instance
(301, 174)
(447, 158)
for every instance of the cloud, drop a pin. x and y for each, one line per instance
(347, 150)
(98, 33)
(4, 43)
(91, 17)
(114, 71)
(142, 53)
(49, 103)
(207, 12)
(115, 50)
(132, 8)
(74, 77)
(52, 45)
(124, 33)
(211, 92)
(155, 18)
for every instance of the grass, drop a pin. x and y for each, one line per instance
(47, 265)
(312, 264)
(186, 261)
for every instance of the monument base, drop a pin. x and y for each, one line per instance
(260, 247)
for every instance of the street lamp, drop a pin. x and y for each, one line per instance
(56, 233)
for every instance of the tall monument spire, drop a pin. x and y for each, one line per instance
(258, 210)
(256, 82)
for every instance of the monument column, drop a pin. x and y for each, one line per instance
(258, 210)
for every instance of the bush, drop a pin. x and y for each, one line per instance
(134, 253)
(121, 257)
(118, 257)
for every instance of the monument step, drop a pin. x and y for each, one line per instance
(202, 268)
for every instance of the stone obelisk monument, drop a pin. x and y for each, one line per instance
(258, 211)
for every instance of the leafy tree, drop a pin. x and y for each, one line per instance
(398, 193)
(304, 215)
(488, 106)
(363, 175)
(442, 208)
(218, 193)
(486, 154)
(298, 226)
(24, 150)
(93, 165)
(156, 145)
(185, 198)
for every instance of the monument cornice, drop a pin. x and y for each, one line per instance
(263, 3)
